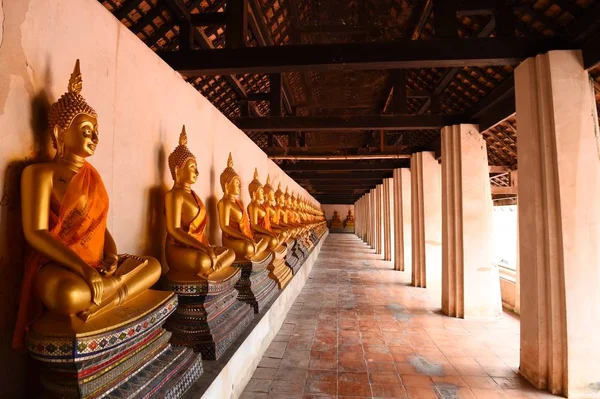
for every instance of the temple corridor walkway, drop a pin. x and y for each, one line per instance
(358, 330)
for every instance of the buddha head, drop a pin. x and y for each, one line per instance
(288, 198)
(182, 163)
(255, 188)
(279, 196)
(72, 122)
(269, 192)
(230, 180)
(294, 202)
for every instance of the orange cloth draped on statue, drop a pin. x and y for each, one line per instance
(81, 226)
(197, 227)
(244, 225)
(265, 221)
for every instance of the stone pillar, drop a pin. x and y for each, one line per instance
(372, 219)
(402, 219)
(426, 215)
(379, 219)
(388, 217)
(470, 280)
(559, 224)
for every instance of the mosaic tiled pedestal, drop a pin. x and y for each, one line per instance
(291, 259)
(279, 270)
(210, 315)
(256, 287)
(129, 358)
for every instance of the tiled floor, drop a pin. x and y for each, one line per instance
(358, 330)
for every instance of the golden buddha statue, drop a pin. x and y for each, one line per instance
(187, 249)
(260, 222)
(233, 218)
(74, 269)
(270, 206)
(349, 221)
(336, 222)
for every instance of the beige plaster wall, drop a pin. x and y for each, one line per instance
(141, 103)
(341, 208)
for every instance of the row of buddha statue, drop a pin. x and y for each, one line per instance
(81, 299)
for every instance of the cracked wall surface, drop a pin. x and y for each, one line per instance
(142, 104)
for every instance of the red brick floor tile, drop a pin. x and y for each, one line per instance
(480, 382)
(489, 393)
(321, 383)
(384, 378)
(388, 391)
(352, 365)
(453, 380)
(407, 368)
(374, 367)
(416, 380)
(421, 393)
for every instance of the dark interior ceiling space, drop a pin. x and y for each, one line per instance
(339, 92)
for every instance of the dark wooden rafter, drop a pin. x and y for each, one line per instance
(236, 15)
(376, 55)
(346, 123)
(181, 12)
(326, 175)
(452, 72)
(345, 166)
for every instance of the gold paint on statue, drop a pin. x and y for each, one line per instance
(74, 268)
(260, 222)
(233, 219)
(187, 249)
(349, 221)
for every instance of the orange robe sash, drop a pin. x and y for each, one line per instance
(81, 226)
(197, 227)
(265, 221)
(244, 225)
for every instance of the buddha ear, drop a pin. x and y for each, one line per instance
(57, 141)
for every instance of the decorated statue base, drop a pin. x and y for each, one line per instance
(122, 353)
(279, 270)
(210, 315)
(256, 287)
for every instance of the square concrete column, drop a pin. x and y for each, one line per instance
(559, 224)
(426, 215)
(379, 219)
(388, 218)
(402, 219)
(470, 280)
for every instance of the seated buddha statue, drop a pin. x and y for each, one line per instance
(349, 221)
(335, 220)
(281, 213)
(233, 218)
(270, 204)
(73, 268)
(187, 249)
(260, 222)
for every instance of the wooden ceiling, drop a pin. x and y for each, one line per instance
(314, 79)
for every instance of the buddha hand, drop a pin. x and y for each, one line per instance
(94, 280)
(109, 265)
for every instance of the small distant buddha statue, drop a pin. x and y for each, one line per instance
(233, 218)
(187, 249)
(260, 221)
(281, 213)
(335, 220)
(349, 221)
(74, 269)
(270, 206)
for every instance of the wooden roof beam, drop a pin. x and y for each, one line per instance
(365, 56)
(343, 176)
(344, 166)
(346, 123)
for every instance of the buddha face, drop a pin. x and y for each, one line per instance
(271, 197)
(281, 200)
(260, 194)
(81, 137)
(188, 173)
(233, 187)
